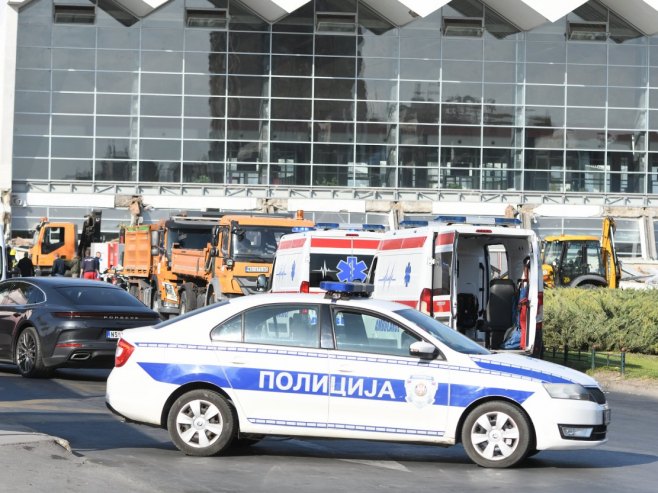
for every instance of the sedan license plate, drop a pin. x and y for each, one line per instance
(606, 416)
(112, 335)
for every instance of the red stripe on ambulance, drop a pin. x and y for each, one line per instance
(445, 239)
(286, 244)
(344, 243)
(402, 243)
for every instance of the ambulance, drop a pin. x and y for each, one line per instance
(328, 252)
(480, 276)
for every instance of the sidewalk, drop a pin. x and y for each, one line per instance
(17, 435)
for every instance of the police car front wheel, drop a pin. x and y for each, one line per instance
(497, 434)
(201, 423)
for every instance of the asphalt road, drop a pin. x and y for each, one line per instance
(99, 452)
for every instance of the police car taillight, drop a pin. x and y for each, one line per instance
(426, 301)
(305, 287)
(123, 352)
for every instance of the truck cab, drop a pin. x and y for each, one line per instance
(480, 276)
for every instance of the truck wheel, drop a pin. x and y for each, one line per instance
(187, 299)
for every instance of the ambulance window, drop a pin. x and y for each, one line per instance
(283, 325)
(368, 333)
(442, 273)
(228, 331)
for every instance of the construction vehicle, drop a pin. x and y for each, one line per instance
(147, 257)
(61, 238)
(237, 261)
(581, 261)
(186, 262)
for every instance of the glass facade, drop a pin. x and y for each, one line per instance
(178, 99)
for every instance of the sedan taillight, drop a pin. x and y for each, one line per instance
(123, 352)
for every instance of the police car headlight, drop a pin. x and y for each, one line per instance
(567, 391)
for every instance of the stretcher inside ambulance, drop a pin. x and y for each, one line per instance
(484, 280)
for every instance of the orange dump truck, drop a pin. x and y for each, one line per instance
(185, 262)
(241, 249)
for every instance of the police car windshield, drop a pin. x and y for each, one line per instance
(451, 338)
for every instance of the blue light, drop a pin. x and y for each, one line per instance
(302, 229)
(327, 225)
(374, 227)
(451, 219)
(507, 221)
(346, 287)
(407, 223)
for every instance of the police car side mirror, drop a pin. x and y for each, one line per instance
(422, 349)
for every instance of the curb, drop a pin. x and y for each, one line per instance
(12, 435)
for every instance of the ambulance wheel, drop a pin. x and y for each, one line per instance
(497, 434)
(201, 423)
(187, 299)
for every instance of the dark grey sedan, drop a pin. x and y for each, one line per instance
(55, 322)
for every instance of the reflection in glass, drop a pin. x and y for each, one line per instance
(460, 136)
(290, 130)
(159, 172)
(333, 153)
(82, 126)
(203, 172)
(68, 169)
(115, 171)
(116, 149)
(194, 150)
(30, 169)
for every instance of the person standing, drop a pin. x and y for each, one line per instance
(25, 266)
(74, 268)
(59, 266)
(90, 267)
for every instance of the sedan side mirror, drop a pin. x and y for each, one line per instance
(422, 349)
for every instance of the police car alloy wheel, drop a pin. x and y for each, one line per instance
(201, 423)
(497, 435)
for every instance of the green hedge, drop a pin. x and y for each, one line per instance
(606, 319)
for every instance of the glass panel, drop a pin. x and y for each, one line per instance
(30, 146)
(115, 126)
(68, 58)
(460, 92)
(159, 149)
(125, 82)
(82, 126)
(127, 39)
(205, 63)
(632, 119)
(544, 137)
(335, 45)
(333, 153)
(73, 103)
(29, 124)
(334, 89)
(194, 150)
(159, 172)
(333, 132)
(153, 61)
(422, 46)
(631, 141)
(118, 60)
(290, 153)
(587, 53)
(378, 68)
(291, 87)
(161, 84)
(627, 76)
(66, 169)
(72, 81)
(461, 113)
(71, 147)
(378, 45)
(417, 134)
(248, 86)
(419, 91)
(204, 106)
(543, 94)
(462, 71)
(30, 169)
(586, 117)
(292, 65)
(116, 171)
(35, 80)
(498, 49)
(33, 57)
(330, 110)
(544, 116)
(499, 115)
(249, 42)
(290, 130)
(205, 40)
(374, 111)
(543, 73)
(499, 137)
(592, 161)
(500, 94)
(460, 136)
(161, 105)
(246, 129)
(112, 104)
(292, 109)
(246, 108)
(330, 176)
(627, 54)
(209, 85)
(292, 44)
(290, 174)
(162, 39)
(628, 97)
(203, 128)
(32, 102)
(248, 64)
(250, 152)
(116, 149)
(203, 172)
(585, 139)
(545, 52)
(586, 96)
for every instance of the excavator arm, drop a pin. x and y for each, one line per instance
(609, 254)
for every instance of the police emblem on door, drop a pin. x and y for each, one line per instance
(421, 390)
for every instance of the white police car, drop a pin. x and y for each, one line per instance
(346, 367)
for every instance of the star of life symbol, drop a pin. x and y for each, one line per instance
(421, 390)
(352, 270)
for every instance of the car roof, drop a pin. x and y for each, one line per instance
(271, 298)
(56, 281)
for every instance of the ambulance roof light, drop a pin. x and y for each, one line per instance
(302, 229)
(342, 290)
(489, 220)
(408, 223)
(508, 221)
(326, 225)
(374, 227)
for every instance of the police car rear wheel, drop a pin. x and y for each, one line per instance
(201, 423)
(497, 435)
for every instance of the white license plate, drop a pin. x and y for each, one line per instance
(606, 416)
(113, 335)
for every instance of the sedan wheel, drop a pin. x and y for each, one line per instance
(201, 423)
(28, 355)
(497, 435)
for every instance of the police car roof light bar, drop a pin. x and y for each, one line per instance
(408, 223)
(337, 290)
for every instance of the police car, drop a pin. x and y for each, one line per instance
(346, 366)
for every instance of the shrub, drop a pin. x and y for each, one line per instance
(606, 319)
